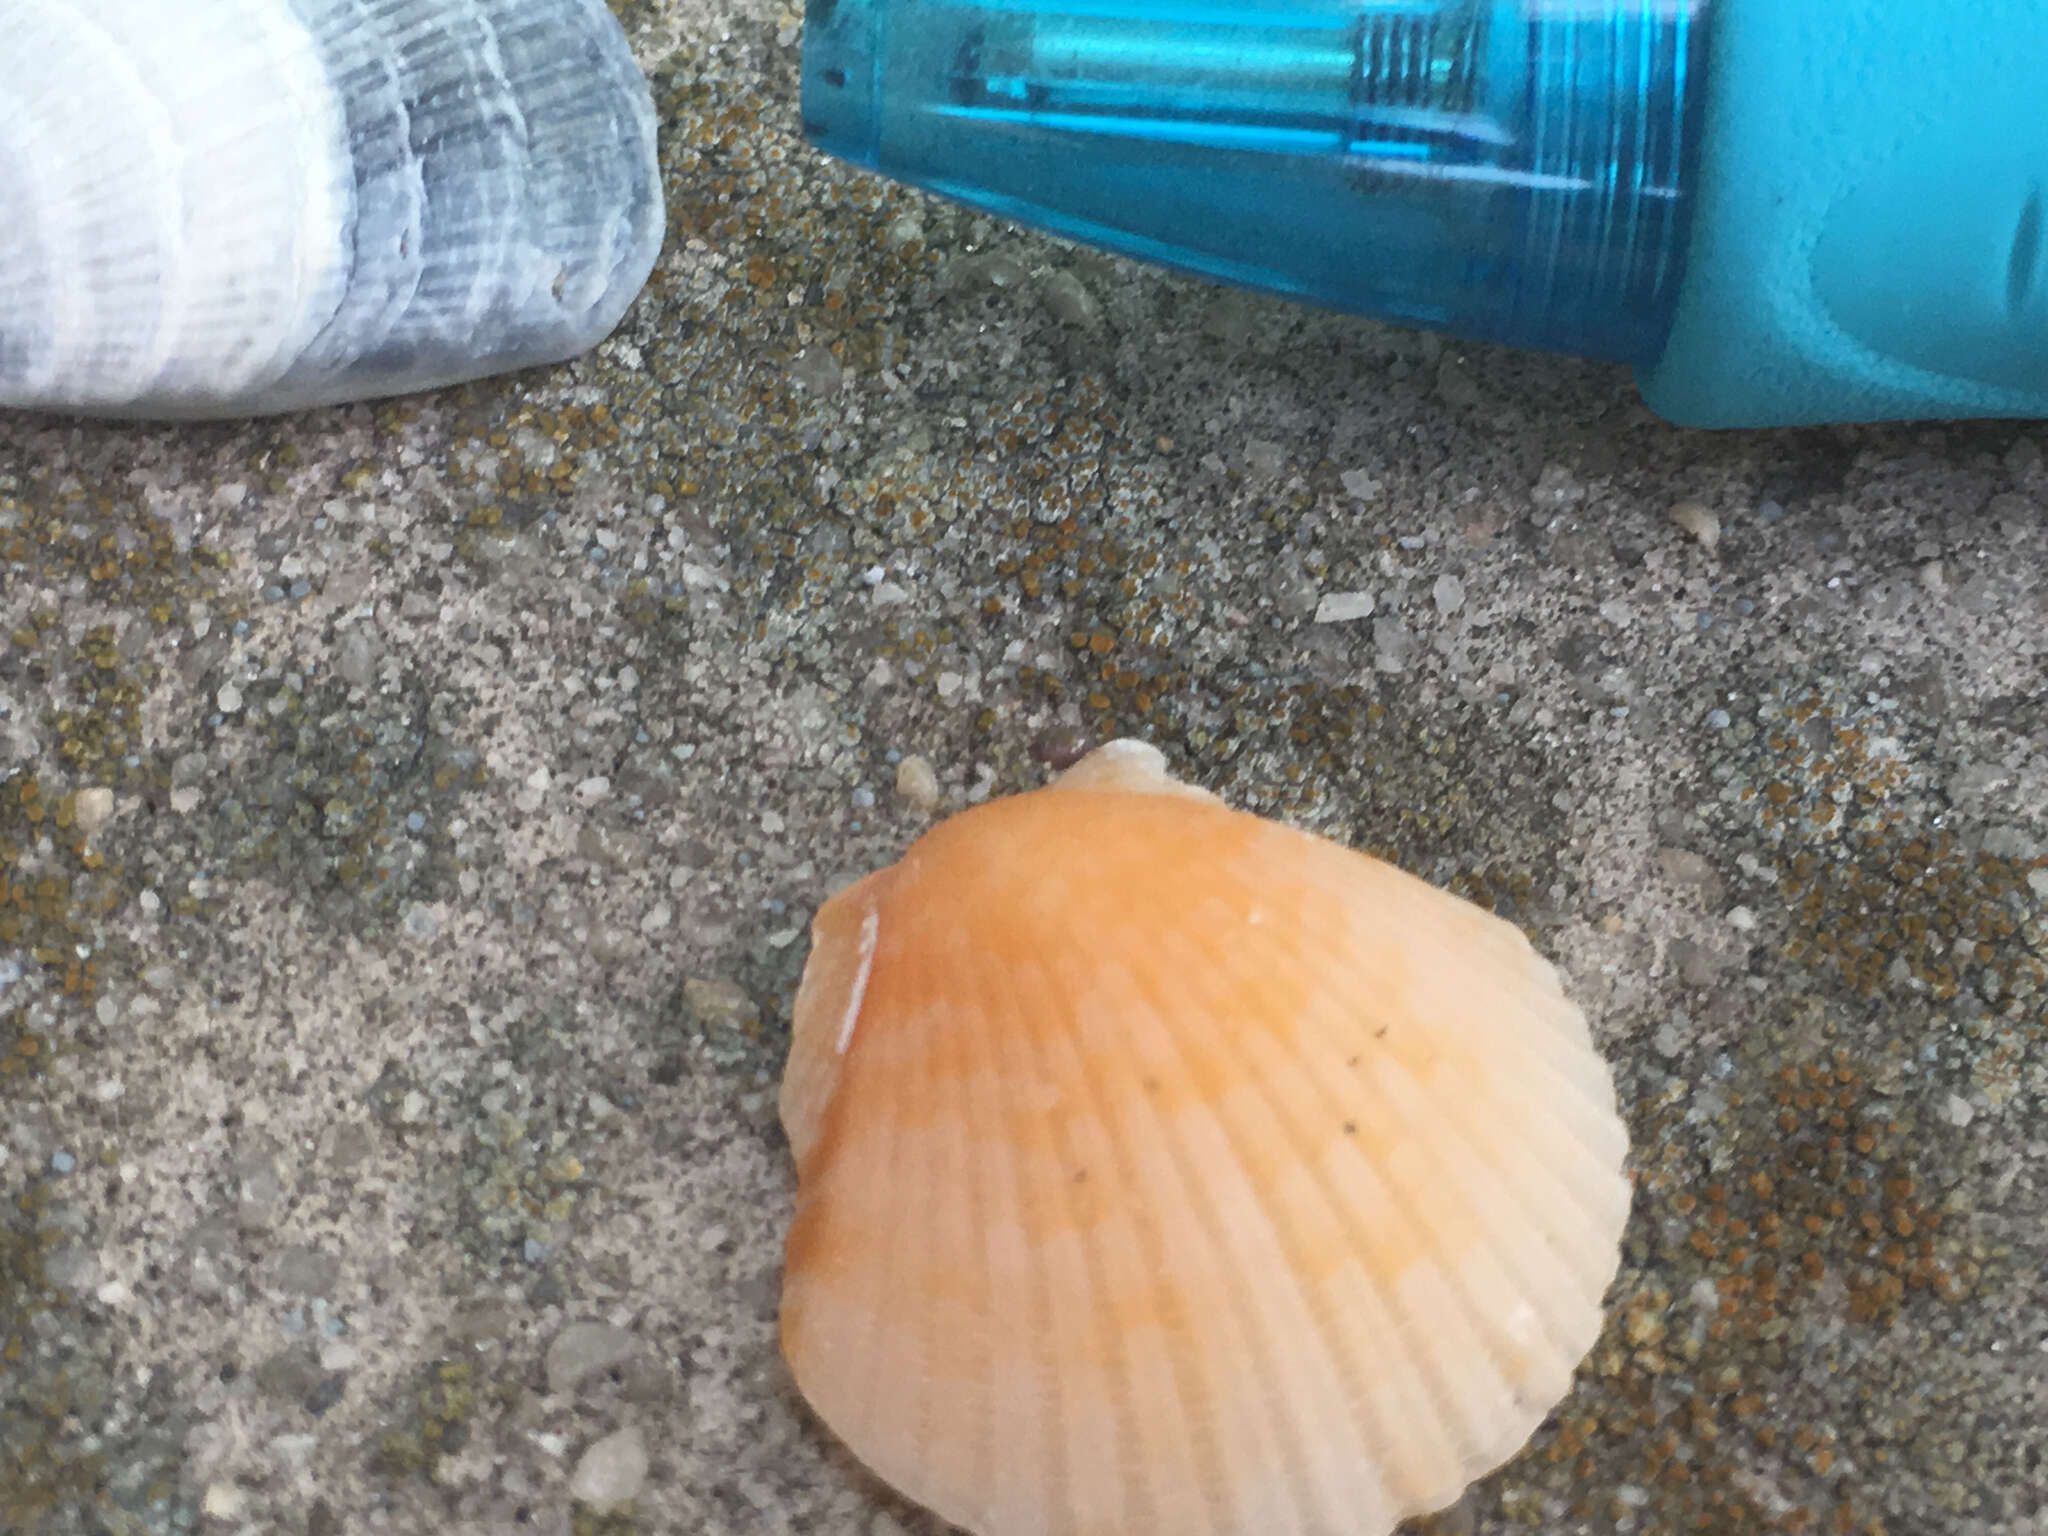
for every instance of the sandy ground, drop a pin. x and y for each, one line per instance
(410, 816)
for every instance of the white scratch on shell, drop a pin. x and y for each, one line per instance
(870, 926)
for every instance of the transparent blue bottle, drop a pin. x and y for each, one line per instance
(1776, 210)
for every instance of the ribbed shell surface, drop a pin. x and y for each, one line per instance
(229, 207)
(1164, 1171)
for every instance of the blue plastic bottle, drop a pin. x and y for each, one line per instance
(1778, 211)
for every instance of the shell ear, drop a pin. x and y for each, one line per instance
(1128, 766)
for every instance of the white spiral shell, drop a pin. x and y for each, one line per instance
(235, 207)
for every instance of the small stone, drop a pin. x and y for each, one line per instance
(1263, 456)
(721, 1008)
(1455, 385)
(1684, 867)
(326, 1393)
(72, 1267)
(2037, 882)
(593, 789)
(356, 658)
(1958, 1110)
(658, 917)
(185, 800)
(1697, 965)
(291, 1375)
(1741, 919)
(1067, 299)
(222, 1501)
(1556, 488)
(816, 371)
(1448, 594)
(917, 783)
(1699, 520)
(582, 1350)
(611, 1471)
(1344, 607)
(306, 1271)
(92, 809)
(1059, 747)
(229, 698)
(1393, 645)
(1361, 485)
(1973, 781)
(259, 1190)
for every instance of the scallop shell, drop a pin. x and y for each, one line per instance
(1166, 1171)
(233, 207)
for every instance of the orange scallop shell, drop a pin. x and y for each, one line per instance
(1167, 1171)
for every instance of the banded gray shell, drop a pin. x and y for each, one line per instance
(236, 207)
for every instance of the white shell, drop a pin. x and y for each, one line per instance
(233, 207)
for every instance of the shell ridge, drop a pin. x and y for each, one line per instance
(1527, 1185)
(1330, 1022)
(1515, 1190)
(1170, 1002)
(1408, 1101)
(1492, 1194)
(952, 1052)
(1064, 1061)
(1037, 1306)
(1155, 1258)
(1561, 1104)
(1336, 1350)
(383, 251)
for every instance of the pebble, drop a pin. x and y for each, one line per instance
(1455, 385)
(1958, 1110)
(1067, 299)
(581, 1350)
(1361, 485)
(1448, 594)
(1393, 645)
(611, 1471)
(1556, 488)
(1699, 520)
(229, 698)
(1344, 607)
(92, 809)
(917, 783)
(816, 371)
(1263, 456)
(222, 1501)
